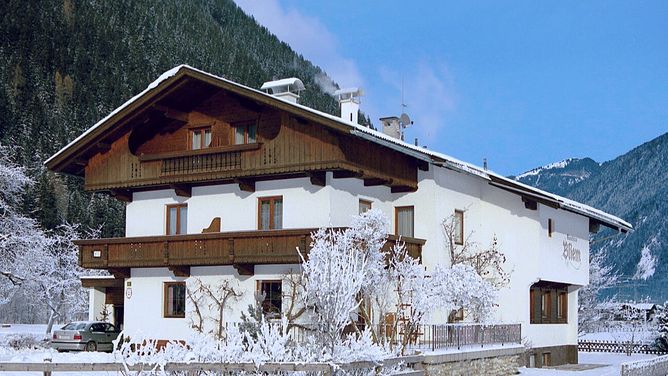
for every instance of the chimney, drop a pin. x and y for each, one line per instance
(287, 89)
(349, 101)
(392, 126)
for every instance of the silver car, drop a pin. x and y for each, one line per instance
(85, 336)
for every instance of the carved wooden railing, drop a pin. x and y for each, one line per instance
(220, 248)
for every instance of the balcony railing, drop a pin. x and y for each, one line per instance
(220, 248)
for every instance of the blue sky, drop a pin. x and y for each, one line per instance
(520, 83)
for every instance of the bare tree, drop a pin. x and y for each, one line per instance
(486, 261)
(215, 297)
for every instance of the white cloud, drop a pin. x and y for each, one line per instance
(306, 35)
(429, 95)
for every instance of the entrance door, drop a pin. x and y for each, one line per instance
(118, 316)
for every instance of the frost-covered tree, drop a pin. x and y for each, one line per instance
(661, 320)
(600, 277)
(348, 274)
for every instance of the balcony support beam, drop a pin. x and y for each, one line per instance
(180, 270)
(245, 269)
(120, 273)
(318, 178)
(124, 195)
(182, 190)
(246, 185)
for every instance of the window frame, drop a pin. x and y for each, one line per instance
(165, 300)
(548, 305)
(203, 129)
(272, 206)
(396, 220)
(246, 125)
(459, 216)
(364, 202)
(178, 218)
(258, 288)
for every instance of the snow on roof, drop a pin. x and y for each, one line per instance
(296, 82)
(377, 137)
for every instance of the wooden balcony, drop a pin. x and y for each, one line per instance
(243, 250)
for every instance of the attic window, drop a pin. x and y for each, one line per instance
(245, 133)
(200, 138)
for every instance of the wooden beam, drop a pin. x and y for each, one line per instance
(81, 161)
(370, 182)
(343, 174)
(124, 195)
(249, 105)
(180, 270)
(171, 113)
(101, 282)
(594, 226)
(245, 269)
(318, 178)
(103, 147)
(213, 227)
(423, 165)
(120, 273)
(530, 204)
(402, 189)
(246, 185)
(182, 190)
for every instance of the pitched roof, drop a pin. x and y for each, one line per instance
(81, 143)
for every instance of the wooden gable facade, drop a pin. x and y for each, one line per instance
(149, 144)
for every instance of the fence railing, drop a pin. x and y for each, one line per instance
(326, 369)
(618, 347)
(440, 336)
(459, 335)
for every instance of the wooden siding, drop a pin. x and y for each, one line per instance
(223, 248)
(154, 152)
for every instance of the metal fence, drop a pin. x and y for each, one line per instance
(439, 336)
(625, 347)
(435, 337)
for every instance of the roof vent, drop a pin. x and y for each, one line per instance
(287, 89)
(349, 100)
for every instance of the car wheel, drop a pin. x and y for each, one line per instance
(91, 346)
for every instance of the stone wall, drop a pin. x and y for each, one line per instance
(499, 361)
(558, 355)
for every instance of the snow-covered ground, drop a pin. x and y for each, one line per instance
(611, 361)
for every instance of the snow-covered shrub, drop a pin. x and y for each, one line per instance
(20, 341)
(661, 320)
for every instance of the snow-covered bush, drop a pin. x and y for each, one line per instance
(661, 320)
(20, 341)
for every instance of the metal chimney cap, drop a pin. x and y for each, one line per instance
(349, 91)
(286, 84)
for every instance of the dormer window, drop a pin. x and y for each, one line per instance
(245, 133)
(200, 138)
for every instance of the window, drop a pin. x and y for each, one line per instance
(175, 299)
(245, 133)
(177, 219)
(200, 138)
(270, 213)
(456, 315)
(550, 227)
(548, 303)
(403, 219)
(272, 297)
(364, 206)
(545, 305)
(459, 227)
(562, 306)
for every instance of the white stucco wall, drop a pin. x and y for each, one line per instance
(521, 233)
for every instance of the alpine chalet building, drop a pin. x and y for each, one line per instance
(223, 180)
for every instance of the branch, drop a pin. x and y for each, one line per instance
(13, 278)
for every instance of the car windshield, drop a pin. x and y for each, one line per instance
(75, 326)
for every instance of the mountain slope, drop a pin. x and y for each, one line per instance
(633, 186)
(65, 64)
